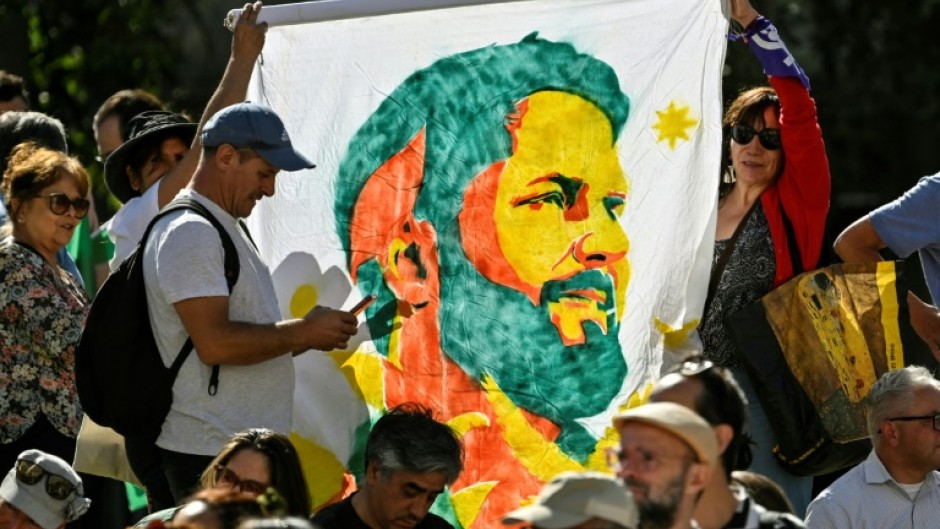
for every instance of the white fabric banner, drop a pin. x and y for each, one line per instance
(528, 188)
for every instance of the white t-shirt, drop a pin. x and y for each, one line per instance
(129, 223)
(183, 259)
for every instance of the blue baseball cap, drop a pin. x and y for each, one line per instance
(258, 127)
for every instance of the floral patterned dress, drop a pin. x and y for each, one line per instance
(42, 313)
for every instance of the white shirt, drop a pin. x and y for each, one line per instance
(867, 497)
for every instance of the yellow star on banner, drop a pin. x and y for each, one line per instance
(674, 124)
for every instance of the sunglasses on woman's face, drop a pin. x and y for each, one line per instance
(60, 203)
(743, 134)
(31, 473)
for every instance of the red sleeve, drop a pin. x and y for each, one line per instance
(804, 188)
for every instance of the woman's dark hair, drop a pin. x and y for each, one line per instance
(287, 475)
(747, 108)
(763, 490)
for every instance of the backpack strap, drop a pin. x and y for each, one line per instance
(230, 264)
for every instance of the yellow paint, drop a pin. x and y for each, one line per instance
(304, 300)
(638, 397)
(674, 124)
(543, 458)
(324, 473)
(562, 135)
(468, 421)
(571, 315)
(363, 371)
(840, 334)
(887, 293)
(468, 501)
(394, 341)
(675, 337)
(395, 248)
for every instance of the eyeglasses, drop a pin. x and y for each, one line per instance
(638, 460)
(57, 486)
(59, 203)
(227, 478)
(935, 418)
(694, 367)
(743, 134)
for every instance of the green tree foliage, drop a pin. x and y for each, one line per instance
(80, 52)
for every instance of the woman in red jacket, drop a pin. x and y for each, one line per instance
(777, 173)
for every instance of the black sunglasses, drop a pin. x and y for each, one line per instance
(57, 486)
(743, 134)
(59, 203)
(935, 418)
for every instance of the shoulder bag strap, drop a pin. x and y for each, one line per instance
(796, 260)
(726, 256)
(232, 269)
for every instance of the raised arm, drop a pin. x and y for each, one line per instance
(247, 43)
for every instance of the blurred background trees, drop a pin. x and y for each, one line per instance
(872, 65)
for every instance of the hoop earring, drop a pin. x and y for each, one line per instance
(729, 177)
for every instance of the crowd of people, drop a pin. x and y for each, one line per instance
(698, 454)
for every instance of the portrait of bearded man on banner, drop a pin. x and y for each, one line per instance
(481, 204)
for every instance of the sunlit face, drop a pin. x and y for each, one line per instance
(172, 150)
(249, 466)
(13, 518)
(252, 179)
(919, 443)
(655, 467)
(557, 212)
(753, 164)
(401, 500)
(41, 228)
(108, 136)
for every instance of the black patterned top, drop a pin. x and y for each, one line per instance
(42, 312)
(748, 275)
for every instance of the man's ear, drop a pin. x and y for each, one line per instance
(699, 476)
(889, 433)
(226, 156)
(132, 178)
(724, 433)
(410, 262)
(383, 227)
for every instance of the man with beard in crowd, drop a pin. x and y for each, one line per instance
(712, 392)
(666, 458)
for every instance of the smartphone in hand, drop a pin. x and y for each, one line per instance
(361, 306)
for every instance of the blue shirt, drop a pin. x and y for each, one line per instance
(912, 223)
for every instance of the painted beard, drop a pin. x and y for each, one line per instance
(492, 330)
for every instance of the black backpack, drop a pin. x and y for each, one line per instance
(121, 380)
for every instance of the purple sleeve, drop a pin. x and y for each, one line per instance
(762, 37)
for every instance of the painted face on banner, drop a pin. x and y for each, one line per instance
(554, 210)
(500, 198)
